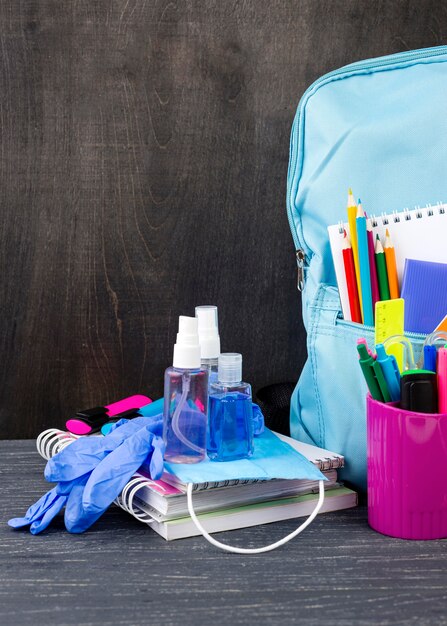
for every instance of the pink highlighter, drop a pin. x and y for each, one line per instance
(442, 379)
(364, 342)
(90, 421)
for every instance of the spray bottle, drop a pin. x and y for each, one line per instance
(185, 398)
(209, 339)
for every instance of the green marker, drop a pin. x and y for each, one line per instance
(377, 368)
(382, 275)
(366, 363)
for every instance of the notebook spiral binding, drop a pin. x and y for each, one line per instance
(328, 463)
(126, 497)
(406, 215)
(52, 441)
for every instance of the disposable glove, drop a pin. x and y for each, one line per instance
(72, 467)
(110, 476)
(40, 514)
(258, 420)
(84, 454)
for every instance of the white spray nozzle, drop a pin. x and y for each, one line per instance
(230, 367)
(187, 347)
(208, 331)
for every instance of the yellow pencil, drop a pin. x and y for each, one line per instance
(352, 214)
(391, 268)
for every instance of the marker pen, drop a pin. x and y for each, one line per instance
(378, 373)
(89, 421)
(149, 410)
(366, 362)
(442, 380)
(390, 371)
(419, 391)
(365, 343)
(430, 354)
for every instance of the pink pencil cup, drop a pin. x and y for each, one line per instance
(407, 460)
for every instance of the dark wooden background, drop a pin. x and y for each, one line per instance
(143, 162)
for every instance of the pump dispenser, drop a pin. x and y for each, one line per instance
(209, 339)
(230, 413)
(185, 398)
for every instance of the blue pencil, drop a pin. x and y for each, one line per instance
(365, 275)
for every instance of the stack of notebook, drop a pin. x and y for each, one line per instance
(162, 505)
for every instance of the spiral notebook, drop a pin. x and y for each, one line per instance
(256, 514)
(418, 234)
(264, 502)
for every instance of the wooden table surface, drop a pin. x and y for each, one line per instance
(120, 572)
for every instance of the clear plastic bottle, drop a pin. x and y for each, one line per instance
(230, 412)
(209, 339)
(185, 399)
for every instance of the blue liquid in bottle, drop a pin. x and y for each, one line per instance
(230, 421)
(230, 426)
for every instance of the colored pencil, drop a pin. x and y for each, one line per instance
(351, 281)
(372, 263)
(365, 275)
(352, 214)
(391, 268)
(382, 276)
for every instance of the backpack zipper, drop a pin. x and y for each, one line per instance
(300, 260)
(301, 248)
(340, 321)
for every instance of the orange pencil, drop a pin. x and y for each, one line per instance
(391, 269)
(351, 281)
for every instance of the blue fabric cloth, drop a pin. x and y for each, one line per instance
(272, 458)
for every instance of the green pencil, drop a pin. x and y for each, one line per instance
(382, 275)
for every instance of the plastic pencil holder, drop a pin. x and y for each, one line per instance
(407, 459)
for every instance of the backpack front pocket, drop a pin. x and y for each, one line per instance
(329, 403)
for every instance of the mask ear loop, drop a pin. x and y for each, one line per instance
(268, 548)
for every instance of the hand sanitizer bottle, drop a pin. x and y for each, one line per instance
(185, 398)
(209, 339)
(230, 412)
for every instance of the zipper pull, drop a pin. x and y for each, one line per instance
(300, 259)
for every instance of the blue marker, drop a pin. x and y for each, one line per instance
(390, 371)
(149, 410)
(430, 354)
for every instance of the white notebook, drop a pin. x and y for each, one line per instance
(168, 502)
(250, 515)
(416, 234)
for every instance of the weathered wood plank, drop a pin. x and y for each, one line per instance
(120, 572)
(143, 160)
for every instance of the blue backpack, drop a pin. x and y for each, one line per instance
(380, 127)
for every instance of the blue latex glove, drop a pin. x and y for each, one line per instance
(110, 476)
(41, 513)
(71, 468)
(258, 420)
(84, 454)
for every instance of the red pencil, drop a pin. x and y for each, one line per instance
(351, 281)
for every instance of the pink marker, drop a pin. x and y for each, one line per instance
(91, 420)
(365, 343)
(442, 380)
(372, 264)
